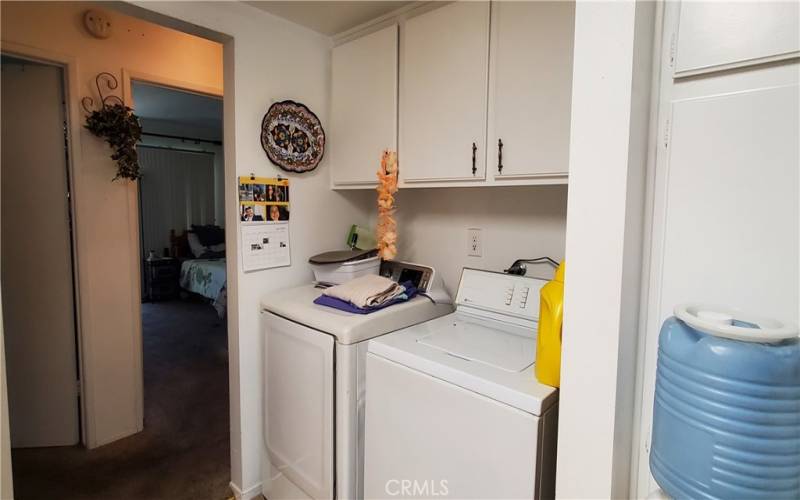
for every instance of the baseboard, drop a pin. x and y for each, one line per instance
(253, 491)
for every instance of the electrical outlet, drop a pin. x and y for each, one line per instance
(474, 242)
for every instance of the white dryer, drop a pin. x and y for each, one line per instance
(455, 409)
(314, 369)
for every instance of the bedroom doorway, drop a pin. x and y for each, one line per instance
(182, 242)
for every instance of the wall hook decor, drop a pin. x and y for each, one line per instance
(112, 83)
(116, 123)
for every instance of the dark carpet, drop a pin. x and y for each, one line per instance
(183, 452)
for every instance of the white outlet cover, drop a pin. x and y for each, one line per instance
(474, 242)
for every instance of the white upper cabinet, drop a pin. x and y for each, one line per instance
(485, 94)
(530, 90)
(363, 107)
(443, 94)
(714, 36)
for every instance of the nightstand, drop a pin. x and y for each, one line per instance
(161, 279)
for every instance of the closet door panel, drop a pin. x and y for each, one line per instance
(363, 107)
(732, 196)
(531, 88)
(444, 94)
(714, 36)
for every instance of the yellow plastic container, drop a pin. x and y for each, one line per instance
(548, 340)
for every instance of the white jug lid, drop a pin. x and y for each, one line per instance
(730, 323)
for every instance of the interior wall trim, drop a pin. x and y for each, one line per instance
(252, 491)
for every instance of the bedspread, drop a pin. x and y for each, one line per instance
(206, 277)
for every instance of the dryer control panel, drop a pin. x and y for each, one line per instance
(494, 295)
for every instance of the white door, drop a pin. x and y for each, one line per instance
(298, 404)
(445, 64)
(427, 438)
(363, 106)
(35, 244)
(531, 89)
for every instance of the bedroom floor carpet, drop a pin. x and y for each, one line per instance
(183, 451)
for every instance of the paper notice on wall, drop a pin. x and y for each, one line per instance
(265, 245)
(264, 216)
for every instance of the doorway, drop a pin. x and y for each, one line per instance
(37, 258)
(184, 295)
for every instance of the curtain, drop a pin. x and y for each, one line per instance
(176, 190)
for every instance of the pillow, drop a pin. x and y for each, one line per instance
(195, 246)
(214, 252)
(209, 234)
(209, 254)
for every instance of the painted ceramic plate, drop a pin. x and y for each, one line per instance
(292, 136)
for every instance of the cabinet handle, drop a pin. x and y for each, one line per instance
(500, 155)
(474, 150)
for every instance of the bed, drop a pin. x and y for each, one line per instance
(205, 276)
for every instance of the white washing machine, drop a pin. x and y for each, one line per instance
(454, 407)
(314, 368)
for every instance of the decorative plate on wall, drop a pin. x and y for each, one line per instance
(292, 136)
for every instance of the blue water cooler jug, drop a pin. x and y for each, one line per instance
(726, 416)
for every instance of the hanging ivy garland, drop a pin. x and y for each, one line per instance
(118, 125)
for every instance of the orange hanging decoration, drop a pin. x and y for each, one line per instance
(387, 187)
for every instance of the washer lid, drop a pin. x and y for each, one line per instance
(476, 342)
(473, 353)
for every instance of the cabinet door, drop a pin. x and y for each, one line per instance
(364, 107)
(443, 94)
(530, 89)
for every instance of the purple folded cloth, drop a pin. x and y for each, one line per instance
(325, 300)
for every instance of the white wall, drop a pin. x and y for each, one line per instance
(268, 59)
(608, 156)
(515, 222)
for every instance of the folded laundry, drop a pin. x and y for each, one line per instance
(342, 305)
(366, 291)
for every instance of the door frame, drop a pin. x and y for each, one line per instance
(128, 77)
(69, 67)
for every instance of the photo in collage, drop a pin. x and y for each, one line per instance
(263, 199)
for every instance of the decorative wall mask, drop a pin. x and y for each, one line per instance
(116, 123)
(292, 137)
(97, 23)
